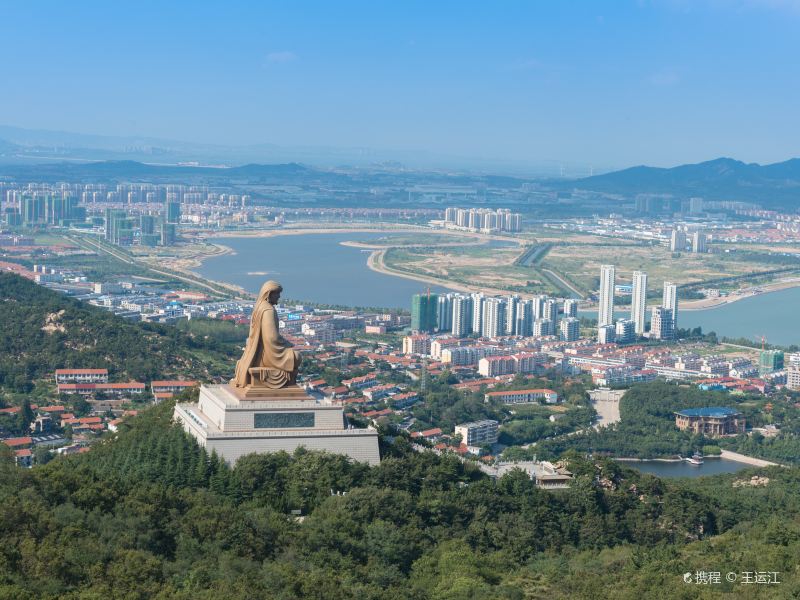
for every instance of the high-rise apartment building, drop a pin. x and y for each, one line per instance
(168, 234)
(570, 308)
(542, 327)
(625, 331)
(677, 241)
(638, 301)
(769, 361)
(605, 312)
(670, 301)
(477, 313)
(661, 323)
(444, 314)
(550, 309)
(699, 242)
(524, 318)
(424, 309)
(511, 315)
(172, 211)
(570, 329)
(461, 321)
(494, 317)
(606, 334)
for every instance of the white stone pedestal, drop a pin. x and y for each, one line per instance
(224, 422)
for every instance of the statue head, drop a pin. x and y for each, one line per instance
(270, 292)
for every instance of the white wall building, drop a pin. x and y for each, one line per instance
(638, 301)
(605, 311)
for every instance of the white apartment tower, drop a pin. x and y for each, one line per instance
(670, 302)
(444, 312)
(677, 241)
(570, 308)
(605, 313)
(461, 322)
(477, 313)
(524, 318)
(511, 315)
(699, 242)
(570, 329)
(639, 301)
(494, 317)
(661, 324)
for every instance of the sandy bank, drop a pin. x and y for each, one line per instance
(377, 264)
(743, 458)
(743, 294)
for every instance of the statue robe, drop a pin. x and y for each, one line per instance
(267, 348)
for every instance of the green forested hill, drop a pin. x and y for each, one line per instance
(150, 515)
(43, 330)
(647, 427)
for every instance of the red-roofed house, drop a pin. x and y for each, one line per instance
(23, 458)
(316, 384)
(19, 442)
(428, 434)
(356, 383)
(169, 387)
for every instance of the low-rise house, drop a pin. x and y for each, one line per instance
(169, 386)
(19, 443)
(523, 396)
(87, 389)
(356, 383)
(400, 401)
(23, 458)
(81, 375)
(379, 392)
(429, 434)
(712, 421)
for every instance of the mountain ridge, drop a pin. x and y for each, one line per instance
(772, 185)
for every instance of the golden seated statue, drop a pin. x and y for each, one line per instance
(268, 361)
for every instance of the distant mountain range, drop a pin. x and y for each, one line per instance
(44, 155)
(776, 185)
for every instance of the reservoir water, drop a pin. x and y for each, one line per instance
(771, 315)
(710, 466)
(317, 268)
(313, 267)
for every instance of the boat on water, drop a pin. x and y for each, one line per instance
(696, 459)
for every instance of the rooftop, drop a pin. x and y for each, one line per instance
(709, 411)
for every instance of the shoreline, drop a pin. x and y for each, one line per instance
(767, 288)
(712, 303)
(375, 261)
(724, 454)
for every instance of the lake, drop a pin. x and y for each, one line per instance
(771, 315)
(710, 466)
(313, 267)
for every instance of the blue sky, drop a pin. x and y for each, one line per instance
(608, 84)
